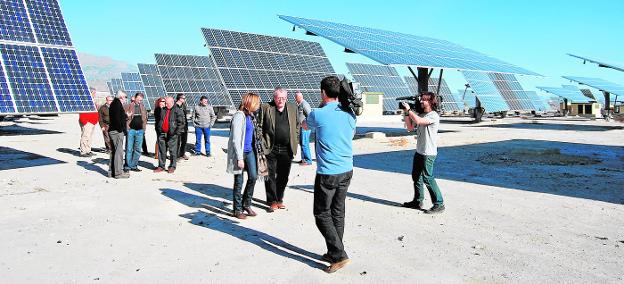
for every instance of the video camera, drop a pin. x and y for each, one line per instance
(350, 97)
(412, 101)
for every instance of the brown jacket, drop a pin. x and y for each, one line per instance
(267, 120)
(130, 113)
(104, 117)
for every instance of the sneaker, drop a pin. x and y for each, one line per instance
(239, 215)
(413, 204)
(250, 212)
(337, 266)
(437, 208)
(136, 170)
(124, 175)
(171, 170)
(158, 170)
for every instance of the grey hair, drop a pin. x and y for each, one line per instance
(280, 90)
(121, 93)
(111, 97)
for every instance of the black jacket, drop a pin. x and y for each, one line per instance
(176, 121)
(117, 116)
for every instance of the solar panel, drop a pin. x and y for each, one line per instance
(450, 102)
(194, 76)
(133, 84)
(152, 82)
(600, 84)
(259, 63)
(485, 89)
(6, 102)
(512, 91)
(115, 85)
(393, 48)
(574, 96)
(380, 78)
(40, 68)
(538, 103)
(14, 24)
(468, 96)
(601, 63)
(48, 22)
(588, 93)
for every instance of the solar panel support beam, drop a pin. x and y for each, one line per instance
(423, 79)
(607, 107)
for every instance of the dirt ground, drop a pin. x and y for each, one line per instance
(527, 200)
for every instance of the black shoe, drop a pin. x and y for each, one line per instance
(136, 170)
(326, 258)
(437, 208)
(413, 204)
(208, 155)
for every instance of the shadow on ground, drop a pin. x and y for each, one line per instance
(568, 169)
(310, 189)
(15, 159)
(555, 126)
(361, 131)
(18, 130)
(260, 239)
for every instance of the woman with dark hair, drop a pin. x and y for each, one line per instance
(243, 153)
(159, 104)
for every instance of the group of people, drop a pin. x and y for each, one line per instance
(124, 124)
(263, 141)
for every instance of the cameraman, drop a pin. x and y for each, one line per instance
(334, 126)
(426, 125)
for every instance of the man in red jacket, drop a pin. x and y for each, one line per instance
(87, 121)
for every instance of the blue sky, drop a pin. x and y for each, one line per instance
(533, 34)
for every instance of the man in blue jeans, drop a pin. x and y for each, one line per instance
(303, 110)
(137, 122)
(334, 127)
(203, 119)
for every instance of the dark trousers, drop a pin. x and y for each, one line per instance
(167, 143)
(107, 140)
(330, 192)
(145, 152)
(117, 153)
(244, 200)
(422, 172)
(279, 162)
(182, 143)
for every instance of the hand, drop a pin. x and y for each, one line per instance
(241, 164)
(405, 106)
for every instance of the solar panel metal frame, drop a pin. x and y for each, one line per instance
(257, 63)
(600, 84)
(486, 91)
(48, 77)
(194, 76)
(393, 48)
(600, 62)
(380, 78)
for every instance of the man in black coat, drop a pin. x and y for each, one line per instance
(168, 128)
(183, 137)
(117, 132)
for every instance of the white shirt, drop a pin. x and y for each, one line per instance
(427, 135)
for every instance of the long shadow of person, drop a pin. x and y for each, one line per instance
(191, 200)
(263, 240)
(310, 189)
(213, 190)
(92, 167)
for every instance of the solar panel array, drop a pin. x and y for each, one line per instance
(194, 76)
(512, 91)
(485, 89)
(380, 78)
(572, 94)
(600, 84)
(152, 82)
(259, 63)
(40, 72)
(537, 102)
(115, 85)
(468, 96)
(133, 84)
(588, 93)
(450, 102)
(393, 48)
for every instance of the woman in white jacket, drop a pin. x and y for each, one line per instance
(242, 153)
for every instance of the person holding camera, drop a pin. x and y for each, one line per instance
(426, 125)
(334, 125)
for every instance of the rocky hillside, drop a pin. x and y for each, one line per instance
(100, 69)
